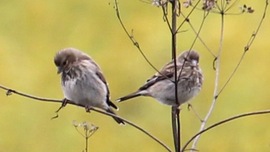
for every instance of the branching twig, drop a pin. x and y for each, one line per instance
(215, 93)
(223, 122)
(199, 30)
(247, 47)
(10, 91)
(131, 37)
(89, 130)
(176, 125)
(223, 8)
(197, 33)
(181, 24)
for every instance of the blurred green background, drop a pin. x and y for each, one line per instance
(31, 32)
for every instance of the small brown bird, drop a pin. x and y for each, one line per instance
(161, 86)
(82, 80)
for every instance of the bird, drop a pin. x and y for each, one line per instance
(161, 86)
(82, 81)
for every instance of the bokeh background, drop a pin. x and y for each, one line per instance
(31, 32)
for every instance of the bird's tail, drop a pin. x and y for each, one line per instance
(132, 95)
(118, 120)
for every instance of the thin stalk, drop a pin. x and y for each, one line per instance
(10, 91)
(215, 94)
(255, 113)
(175, 111)
(86, 142)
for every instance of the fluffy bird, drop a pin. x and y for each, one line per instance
(161, 86)
(82, 81)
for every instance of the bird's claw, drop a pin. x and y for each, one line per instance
(64, 103)
(88, 109)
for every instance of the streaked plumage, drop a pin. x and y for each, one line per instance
(161, 86)
(82, 80)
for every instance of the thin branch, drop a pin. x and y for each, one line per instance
(223, 122)
(197, 33)
(199, 30)
(247, 47)
(215, 93)
(135, 126)
(231, 5)
(181, 24)
(10, 91)
(195, 39)
(165, 16)
(174, 44)
(176, 126)
(131, 37)
(89, 130)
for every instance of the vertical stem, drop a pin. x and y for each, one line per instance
(86, 140)
(215, 94)
(174, 32)
(175, 129)
(175, 111)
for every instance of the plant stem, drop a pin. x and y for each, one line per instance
(215, 94)
(175, 111)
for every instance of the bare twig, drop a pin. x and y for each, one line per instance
(215, 93)
(165, 16)
(176, 126)
(197, 32)
(247, 47)
(135, 126)
(231, 5)
(10, 91)
(89, 130)
(131, 37)
(223, 122)
(181, 24)
(133, 40)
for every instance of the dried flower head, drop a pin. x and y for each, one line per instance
(159, 2)
(187, 3)
(246, 9)
(88, 128)
(209, 4)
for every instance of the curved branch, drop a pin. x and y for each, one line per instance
(10, 91)
(131, 37)
(223, 122)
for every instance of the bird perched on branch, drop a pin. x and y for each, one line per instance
(82, 81)
(161, 86)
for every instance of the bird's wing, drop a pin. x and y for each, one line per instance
(166, 72)
(102, 78)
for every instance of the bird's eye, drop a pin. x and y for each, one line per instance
(65, 63)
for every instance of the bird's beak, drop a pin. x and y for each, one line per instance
(194, 63)
(59, 70)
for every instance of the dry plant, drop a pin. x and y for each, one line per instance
(88, 130)
(174, 8)
(220, 7)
